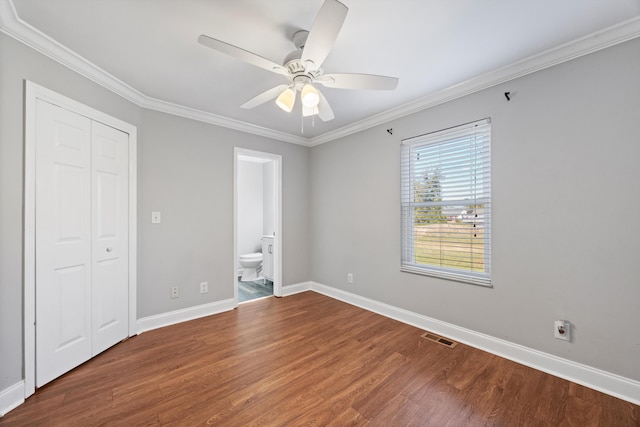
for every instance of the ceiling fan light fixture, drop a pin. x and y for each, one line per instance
(309, 111)
(286, 100)
(309, 96)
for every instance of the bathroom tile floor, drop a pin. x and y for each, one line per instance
(252, 290)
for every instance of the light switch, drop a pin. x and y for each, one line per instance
(155, 217)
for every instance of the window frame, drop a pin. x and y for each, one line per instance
(408, 172)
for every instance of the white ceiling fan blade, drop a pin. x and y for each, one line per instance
(242, 54)
(264, 97)
(324, 109)
(323, 33)
(358, 81)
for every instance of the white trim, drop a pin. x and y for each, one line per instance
(11, 398)
(235, 227)
(214, 119)
(296, 288)
(183, 315)
(277, 241)
(133, 229)
(599, 40)
(29, 243)
(605, 382)
(12, 25)
(34, 92)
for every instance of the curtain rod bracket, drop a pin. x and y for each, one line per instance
(506, 95)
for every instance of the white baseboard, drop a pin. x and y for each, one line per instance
(11, 398)
(178, 316)
(605, 382)
(296, 288)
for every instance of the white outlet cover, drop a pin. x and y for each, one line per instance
(565, 326)
(155, 218)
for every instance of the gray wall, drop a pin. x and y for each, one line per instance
(186, 172)
(565, 171)
(18, 63)
(565, 174)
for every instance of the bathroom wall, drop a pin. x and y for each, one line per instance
(250, 206)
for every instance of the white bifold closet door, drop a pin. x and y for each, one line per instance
(81, 239)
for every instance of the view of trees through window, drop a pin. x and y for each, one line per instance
(446, 232)
(446, 203)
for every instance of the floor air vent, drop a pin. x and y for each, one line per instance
(440, 340)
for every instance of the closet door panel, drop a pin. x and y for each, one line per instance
(63, 241)
(110, 236)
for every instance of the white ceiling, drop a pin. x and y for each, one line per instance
(430, 45)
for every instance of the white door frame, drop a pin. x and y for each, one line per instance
(277, 254)
(33, 92)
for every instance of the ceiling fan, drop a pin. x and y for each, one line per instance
(302, 66)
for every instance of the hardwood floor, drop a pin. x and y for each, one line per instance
(309, 360)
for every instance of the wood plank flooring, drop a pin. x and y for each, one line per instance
(308, 360)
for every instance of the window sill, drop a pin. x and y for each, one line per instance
(449, 275)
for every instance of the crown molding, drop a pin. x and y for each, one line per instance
(214, 119)
(13, 26)
(599, 40)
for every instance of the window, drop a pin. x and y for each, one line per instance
(446, 203)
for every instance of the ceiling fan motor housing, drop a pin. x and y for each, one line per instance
(298, 72)
(293, 62)
(299, 39)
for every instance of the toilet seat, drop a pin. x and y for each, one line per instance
(251, 257)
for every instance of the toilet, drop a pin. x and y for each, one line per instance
(251, 264)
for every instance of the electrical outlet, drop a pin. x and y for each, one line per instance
(349, 278)
(562, 330)
(204, 287)
(155, 218)
(174, 292)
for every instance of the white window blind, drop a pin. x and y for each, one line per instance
(446, 203)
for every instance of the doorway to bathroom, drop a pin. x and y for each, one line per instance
(257, 225)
